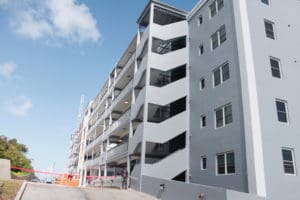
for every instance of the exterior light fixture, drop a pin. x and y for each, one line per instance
(162, 187)
(201, 195)
(126, 102)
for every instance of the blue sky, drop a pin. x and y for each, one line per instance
(52, 52)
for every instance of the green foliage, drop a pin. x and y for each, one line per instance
(15, 152)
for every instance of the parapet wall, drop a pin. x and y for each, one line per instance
(4, 169)
(174, 190)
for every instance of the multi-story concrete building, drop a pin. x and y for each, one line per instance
(208, 98)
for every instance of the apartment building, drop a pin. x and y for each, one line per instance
(204, 101)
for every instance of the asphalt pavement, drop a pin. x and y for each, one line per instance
(36, 191)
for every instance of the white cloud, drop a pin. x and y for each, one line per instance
(31, 26)
(7, 69)
(20, 106)
(57, 19)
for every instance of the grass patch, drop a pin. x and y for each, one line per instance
(10, 189)
(19, 174)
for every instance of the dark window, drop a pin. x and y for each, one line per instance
(219, 118)
(214, 40)
(288, 161)
(223, 116)
(203, 162)
(201, 49)
(203, 121)
(217, 77)
(158, 113)
(215, 7)
(269, 28)
(265, 2)
(218, 37)
(230, 163)
(160, 78)
(221, 163)
(200, 20)
(281, 107)
(225, 163)
(202, 83)
(221, 74)
(166, 46)
(222, 33)
(275, 67)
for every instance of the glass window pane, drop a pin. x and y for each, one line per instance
(221, 164)
(214, 40)
(219, 118)
(287, 155)
(230, 163)
(204, 163)
(222, 34)
(281, 111)
(217, 77)
(213, 9)
(280, 106)
(265, 2)
(220, 4)
(225, 72)
(228, 114)
(269, 30)
(276, 73)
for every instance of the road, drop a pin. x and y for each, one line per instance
(36, 191)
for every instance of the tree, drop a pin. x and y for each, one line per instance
(15, 152)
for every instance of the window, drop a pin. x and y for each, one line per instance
(225, 163)
(201, 49)
(221, 74)
(202, 83)
(202, 121)
(281, 107)
(275, 67)
(269, 28)
(215, 7)
(203, 163)
(288, 161)
(200, 20)
(265, 2)
(223, 116)
(218, 38)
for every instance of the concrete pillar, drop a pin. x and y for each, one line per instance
(5, 169)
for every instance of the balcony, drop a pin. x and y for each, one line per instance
(91, 145)
(92, 162)
(122, 94)
(117, 152)
(121, 121)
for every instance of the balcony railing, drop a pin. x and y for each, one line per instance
(123, 119)
(117, 152)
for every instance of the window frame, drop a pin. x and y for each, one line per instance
(265, 2)
(203, 119)
(202, 168)
(221, 74)
(217, 7)
(222, 108)
(293, 161)
(218, 37)
(202, 83)
(225, 163)
(286, 110)
(273, 29)
(201, 50)
(200, 20)
(279, 66)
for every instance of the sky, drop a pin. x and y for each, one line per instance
(51, 53)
